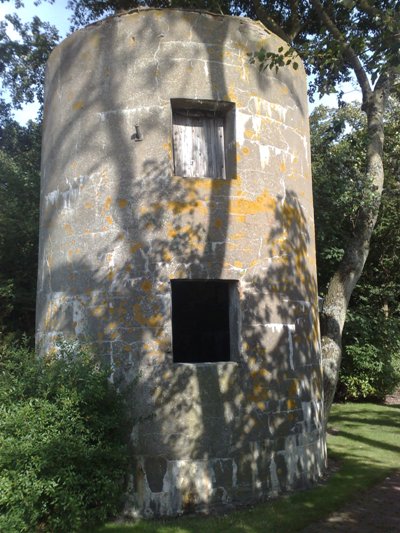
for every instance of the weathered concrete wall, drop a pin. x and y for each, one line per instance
(117, 226)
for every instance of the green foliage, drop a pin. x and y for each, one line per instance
(371, 343)
(371, 361)
(368, 371)
(338, 144)
(62, 452)
(23, 60)
(273, 60)
(19, 221)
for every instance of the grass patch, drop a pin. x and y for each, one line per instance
(367, 446)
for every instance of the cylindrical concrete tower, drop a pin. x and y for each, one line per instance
(177, 238)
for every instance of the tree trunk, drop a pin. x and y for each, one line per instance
(350, 268)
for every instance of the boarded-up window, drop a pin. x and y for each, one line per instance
(200, 133)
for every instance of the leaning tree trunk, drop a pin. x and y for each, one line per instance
(350, 268)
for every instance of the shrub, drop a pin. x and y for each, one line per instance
(371, 358)
(62, 451)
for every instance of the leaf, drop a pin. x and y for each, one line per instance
(295, 65)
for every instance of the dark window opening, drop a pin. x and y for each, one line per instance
(203, 138)
(204, 320)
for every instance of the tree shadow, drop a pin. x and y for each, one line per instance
(117, 226)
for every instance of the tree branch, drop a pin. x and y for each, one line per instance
(269, 22)
(368, 8)
(295, 23)
(347, 51)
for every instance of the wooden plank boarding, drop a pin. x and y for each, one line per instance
(198, 139)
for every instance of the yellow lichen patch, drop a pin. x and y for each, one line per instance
(107, 203)
(167, 256)
(146, 285)
(88, 205)
(109, 219)
(122, 203)
(110, 275)
(98, 311)
(260, 373)
(168, 148)
(79, 104)
(291, 404)
(282, 167)
(172, 232)
(163, 345)
(293, 389)
(250, 134)
(237, 236)
(68, 229)
(261, 405)
(238, 158)
(262, 203)
(238, 264)
(231, 95)
(181, 207)
(258, 394)
(135, 247)
(186, 233)
(245, 150)
(111, 326)
(151, 321)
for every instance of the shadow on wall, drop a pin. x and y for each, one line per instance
(124, 228)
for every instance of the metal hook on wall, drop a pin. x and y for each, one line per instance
(137, 136)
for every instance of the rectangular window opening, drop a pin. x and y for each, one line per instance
(205, 321)
(203, 138)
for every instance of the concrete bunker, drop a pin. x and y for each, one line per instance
(176, 212)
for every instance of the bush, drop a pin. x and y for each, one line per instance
(371, 358)
(62, 451)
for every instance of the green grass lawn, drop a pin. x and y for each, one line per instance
(366, 447)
